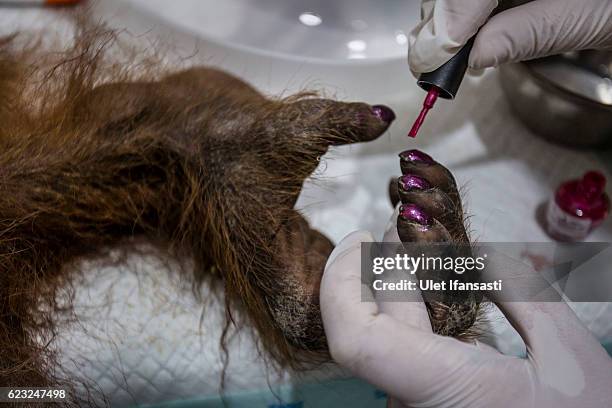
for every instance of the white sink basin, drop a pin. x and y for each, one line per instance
(308, 29)
(352, 54)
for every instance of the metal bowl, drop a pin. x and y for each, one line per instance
(566, 99)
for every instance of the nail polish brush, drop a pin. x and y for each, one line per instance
(443, 82)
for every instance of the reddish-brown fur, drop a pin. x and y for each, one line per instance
(92, 153)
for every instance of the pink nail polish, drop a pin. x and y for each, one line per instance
(578, 207)
(410, 182)
(414, 213)
(384, 113)
(415, 155)
(430, 100)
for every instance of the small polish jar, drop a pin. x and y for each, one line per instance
(578, 207)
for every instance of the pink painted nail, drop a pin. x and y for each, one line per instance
(410, 182)
(414, 213)
(415, 155)
(383, 113)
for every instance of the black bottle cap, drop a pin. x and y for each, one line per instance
(448, 77)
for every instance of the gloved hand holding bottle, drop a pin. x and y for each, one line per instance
(535, 29)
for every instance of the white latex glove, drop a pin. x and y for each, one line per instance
(535, 29)
(392, 346)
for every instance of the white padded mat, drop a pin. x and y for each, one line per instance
(143, 337)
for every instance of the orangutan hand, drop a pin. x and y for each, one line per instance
(269, 148)
(431, 211)
(197, 158)
(396, 345)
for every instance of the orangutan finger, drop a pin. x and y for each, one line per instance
(414, 224)
(431, 213)
(448, 317)
(417, 163)
(342, 122)
(393, 192)
(432, 200)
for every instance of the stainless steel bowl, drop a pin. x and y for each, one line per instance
(566, 99)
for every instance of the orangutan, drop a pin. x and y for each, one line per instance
(92, 153)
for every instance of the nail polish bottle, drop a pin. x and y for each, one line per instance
(578, 207)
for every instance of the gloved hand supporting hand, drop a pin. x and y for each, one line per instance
(392, 344)
(389, 346)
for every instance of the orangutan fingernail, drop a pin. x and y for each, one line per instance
(409, 182)
(414, 213)
(415, 155)
(383, 113)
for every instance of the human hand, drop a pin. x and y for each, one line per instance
(535, 29)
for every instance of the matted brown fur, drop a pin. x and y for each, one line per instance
(92, 152)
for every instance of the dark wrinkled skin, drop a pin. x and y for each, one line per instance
(440, 200)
